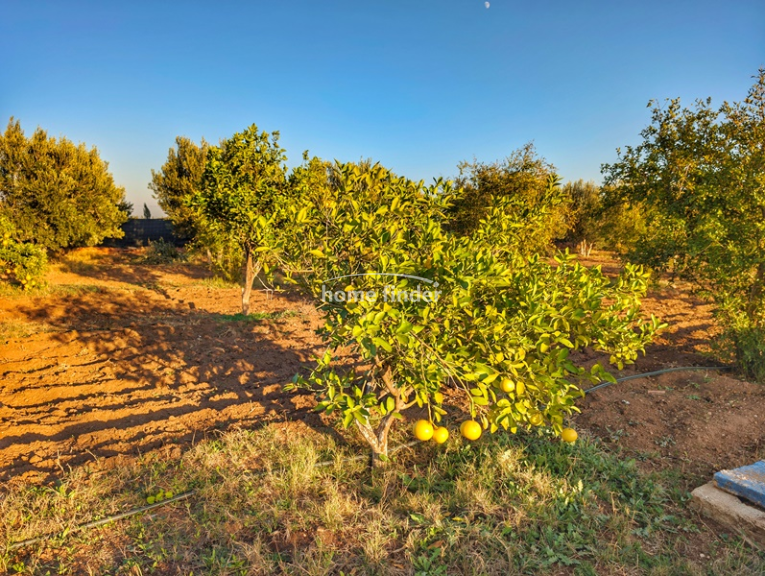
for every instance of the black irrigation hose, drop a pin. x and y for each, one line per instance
(656, 373)
(190, 493)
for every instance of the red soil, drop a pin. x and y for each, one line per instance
(121, 359)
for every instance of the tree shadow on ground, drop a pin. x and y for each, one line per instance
(127, 372)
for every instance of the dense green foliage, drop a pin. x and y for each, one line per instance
(424, 308)
(521, 181)
(698, 181)
(244, 186)
(58, 194)
(177, 181)
(585, 205)
(175, 185)
(20, 262)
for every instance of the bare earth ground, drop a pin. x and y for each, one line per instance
(119, 358)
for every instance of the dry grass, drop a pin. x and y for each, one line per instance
(262, 505)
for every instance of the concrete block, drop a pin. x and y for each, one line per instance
(747, 482)
(740, 518)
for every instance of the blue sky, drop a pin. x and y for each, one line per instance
(418, 85)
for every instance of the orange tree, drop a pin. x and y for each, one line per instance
(243, 188)
(423, 309)
(698, 182)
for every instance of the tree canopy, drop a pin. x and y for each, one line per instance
(425, 309)
(177, 181)
(58, 194)
(698, 180)
(243, 184)
(522, 179)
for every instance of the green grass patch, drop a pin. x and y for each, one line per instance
(14, 292)
(264, 503)
(11, 329)
(75, 289)
(216, 283)
(257, 316)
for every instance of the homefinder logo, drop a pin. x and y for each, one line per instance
(389, 292)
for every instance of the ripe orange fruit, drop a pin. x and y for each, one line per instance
(569, 435)
(507, 385)
(471, 429)
(423, 430)
(440, 435)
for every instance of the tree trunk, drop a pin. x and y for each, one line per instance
(250, 272)
(378, 443)
(380, 453)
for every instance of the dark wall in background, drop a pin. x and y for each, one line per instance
(139, 232)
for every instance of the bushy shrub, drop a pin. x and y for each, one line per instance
(20, 262)
(161, 252)
(58, 194)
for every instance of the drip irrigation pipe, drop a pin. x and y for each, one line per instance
(656, 373)
(186, 495)
(103, 521)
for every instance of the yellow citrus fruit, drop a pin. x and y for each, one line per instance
(423, 430)
(536, 419)
(569, 435)
(440, 435)
(519, 388)
(507, 385)
(471, 429)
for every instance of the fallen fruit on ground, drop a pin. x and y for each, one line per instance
(423, 430)
(471, 429)
(440, 435)
(569, 435)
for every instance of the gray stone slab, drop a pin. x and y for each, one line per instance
(727, 509)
